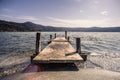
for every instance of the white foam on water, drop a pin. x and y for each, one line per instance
(104, 47)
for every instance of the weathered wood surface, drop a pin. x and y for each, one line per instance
(58, 51)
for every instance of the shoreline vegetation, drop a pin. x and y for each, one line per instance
(7, 26)
(17, 72)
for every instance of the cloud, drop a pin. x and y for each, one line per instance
(81, 11)
(78, 0)
(105, 13)
(7, 16)
(27, 18)
(7, 10)
(96, 2)
(31, 18)
(78, 22)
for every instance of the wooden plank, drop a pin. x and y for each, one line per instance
(58, 51)
(59, 39)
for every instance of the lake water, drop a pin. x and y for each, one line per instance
(105, 43)
(17, 42)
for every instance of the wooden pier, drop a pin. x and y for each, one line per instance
(59, 50)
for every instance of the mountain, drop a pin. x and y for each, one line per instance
(29, 26)
(26, 26)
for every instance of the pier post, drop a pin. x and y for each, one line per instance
(50, 37)
(66, 34)
(78, 49)
(55, 35)
(31, 58)
(38, 43)
(78, 45)
(68, 38)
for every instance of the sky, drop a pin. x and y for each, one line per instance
(63, 13)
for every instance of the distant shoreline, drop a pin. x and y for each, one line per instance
(6, 26)
(58, 31)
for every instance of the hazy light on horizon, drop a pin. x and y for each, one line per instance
(62, 13)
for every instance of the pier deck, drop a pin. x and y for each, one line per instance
(58, 51)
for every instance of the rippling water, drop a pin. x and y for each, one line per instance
(15, 43)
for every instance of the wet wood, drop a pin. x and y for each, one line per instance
(58, 51)
(78, 45)
(66, 34)
(50, 37)
(55, 35)
(37, 43)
